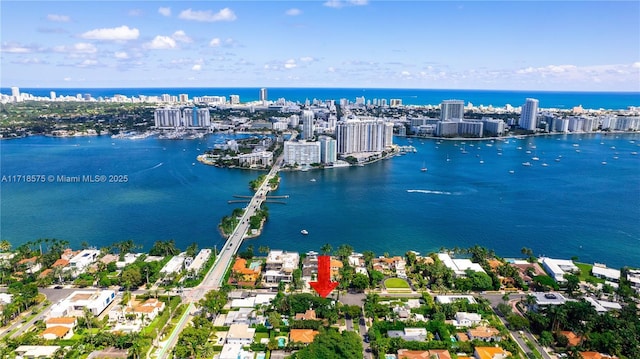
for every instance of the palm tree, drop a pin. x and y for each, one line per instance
(263, 249)
(5, 246)
(326, 248)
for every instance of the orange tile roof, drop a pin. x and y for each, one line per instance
(490, 352)
(423, 354)
(45, 273)
(58, 331)
(61, 320)
(310, 314)
(28, 260)
(596, 355)
(302, 335)
(60, 263)
(572, 338)
(462, 337)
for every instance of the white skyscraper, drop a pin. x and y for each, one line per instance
(301, 153)
(451, 110)
(263, 94)
(529, 114)
(307, 124)
(368, 135)
(328, 153)
(15, 93)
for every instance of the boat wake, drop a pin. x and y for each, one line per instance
(427, 191)
(156, 166)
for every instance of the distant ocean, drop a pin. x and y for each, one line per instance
(574, 206)
(548, 99)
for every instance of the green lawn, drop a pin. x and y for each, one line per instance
(396, 283)
(585, 273)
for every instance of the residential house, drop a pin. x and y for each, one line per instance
(240, 334)
(310, 314)
(57, 332)
(523, 270)
(596, 355)
(448, 299)
(557, 268)
(31, 264)
(244, 276)
(464, 319)
(199, 261)
(409, 334)
(608, 274)
(279, 267)
(490, 353)
(423, 354)
(36, 351)
(459, 266)
(335, 265)
(74, 304)
(573, 340)
(487, 334)
(543, 300)
(81, 261)
(302, 335)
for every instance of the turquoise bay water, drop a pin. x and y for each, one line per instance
(577, 206)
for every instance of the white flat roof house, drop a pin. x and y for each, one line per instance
(547, 299)
(74, 304)
(174, 265)
(601, 271)
(36, 351)
(83, 260)
(199, 261)
(464, 319)
(240, 334)
(459, 266)
(556, 268)
(446, 299)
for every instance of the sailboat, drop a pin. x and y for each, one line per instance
(424, 168)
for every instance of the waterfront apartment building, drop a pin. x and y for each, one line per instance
(263, 94)
(301, 153)
(234, 99)
(328, 150)
(307, 124)
(451, 110)
(363, 135)
(493, 126)
(189, 118)
(529, 115)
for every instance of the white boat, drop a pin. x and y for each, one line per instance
(544, 165)
(512, 171)
(634, 153)
(535, 158)
(312, 180)
(526, 164)
(604, 162)
(558, 159)
(304, 231)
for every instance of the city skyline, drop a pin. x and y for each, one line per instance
(508, 45)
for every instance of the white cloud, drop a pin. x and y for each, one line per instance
(15, 49)
(87, 63)
(114, 34)
(307, 59)
(405, 73)
(331, 69)
(165, 11)
(78, 48)
(121, 55)
(225, 14)
(293, 12)
(58, 18)
(636, 65)
(181, 36)
(215, 42)
(290, 64)
(135, 12)
(67, 79)
(161, 43)
(337, 4)
(196, 67)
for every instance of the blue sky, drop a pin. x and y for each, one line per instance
(522, 45)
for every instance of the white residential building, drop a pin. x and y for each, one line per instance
(280, 266)
(459, 266)
(83, 260)
(174, 265)
(74, 304)
(557, 268)
(464, 319)
(363, 135)
(301, 153)
(609, 274)
(307, 124)
(199, 261)
(451, 109)
(240, 334)
(529, 114)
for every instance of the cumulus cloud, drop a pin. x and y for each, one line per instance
(337, 4)
(87, 63)
(225, 14)
(121, 55)
(78, 48)
(13, 48)
(217, 42)
(196, 67)
(290, 64)
(293, 12)
(636, 65)
(307, 59)
(181, 36)
(58, 18)
(165, 11)
(161, 43)
(121, 33)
